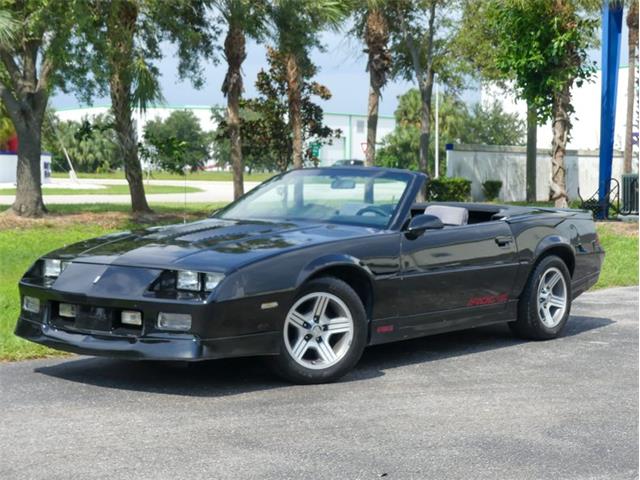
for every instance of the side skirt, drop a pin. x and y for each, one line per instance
(403, 328)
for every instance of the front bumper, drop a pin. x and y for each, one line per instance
(168, 346)
(219, 329)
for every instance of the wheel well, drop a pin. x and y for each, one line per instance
(564, 253)
(355, 278)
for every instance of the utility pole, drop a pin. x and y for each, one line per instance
(437, 145)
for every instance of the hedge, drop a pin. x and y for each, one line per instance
(491, 189)
(449, 189)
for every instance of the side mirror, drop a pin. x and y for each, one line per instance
(420, 223)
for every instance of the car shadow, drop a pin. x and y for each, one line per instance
(241, 375)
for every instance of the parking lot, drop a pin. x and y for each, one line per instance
(474, 404)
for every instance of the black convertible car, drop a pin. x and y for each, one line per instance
(309, 268)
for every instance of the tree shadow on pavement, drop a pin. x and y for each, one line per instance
(241, 375)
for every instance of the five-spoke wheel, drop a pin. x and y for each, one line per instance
(552, 297)
(318, 330)
(545, 303)
(324, 332)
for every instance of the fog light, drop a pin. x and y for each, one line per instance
(67, 310)
(174, 321)
(131, 318)
(31, 304)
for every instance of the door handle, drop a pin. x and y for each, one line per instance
(503, 241)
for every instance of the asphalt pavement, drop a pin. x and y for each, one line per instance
(469, 405)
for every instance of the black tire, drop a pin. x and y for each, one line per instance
(288, 368)
(529, 324)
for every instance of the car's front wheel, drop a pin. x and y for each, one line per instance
(324, 333)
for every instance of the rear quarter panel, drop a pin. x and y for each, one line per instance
(536, 234)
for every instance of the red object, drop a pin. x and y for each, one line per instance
(12, 144)
(385, 329)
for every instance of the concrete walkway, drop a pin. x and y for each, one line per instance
(211, 192)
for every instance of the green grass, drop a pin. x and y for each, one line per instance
(165, 208)
(18, 250)
(24, 241)
(211, 176)
(620, 266)
(108, 190)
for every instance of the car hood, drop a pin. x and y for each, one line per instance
(207, 245)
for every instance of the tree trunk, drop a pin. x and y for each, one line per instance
(372, 125)
(234, 49)
(376, 37)
(295, 104)
(426, 91)
(128, 142)
(632, 23)
(532, 152)
(561, 128)
(28, 201)
(121, 27)
(26, 106)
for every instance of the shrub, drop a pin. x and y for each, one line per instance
(454, 189)
(491, 189)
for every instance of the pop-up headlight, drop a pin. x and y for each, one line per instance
(211, 281)
(53, 267)
(188, 280)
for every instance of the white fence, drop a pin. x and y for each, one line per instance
(9, 162)
(480, 163)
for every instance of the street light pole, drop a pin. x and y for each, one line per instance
(437, 145)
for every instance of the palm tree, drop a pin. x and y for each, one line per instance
(131, 83)
(632, 23)
(243, 18)
(296, 29)
(373, 27)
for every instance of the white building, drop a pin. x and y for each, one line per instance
(350, 145)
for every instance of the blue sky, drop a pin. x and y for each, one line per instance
(341, 69)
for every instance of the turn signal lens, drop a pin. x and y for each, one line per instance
(174, 321)
(31, 304)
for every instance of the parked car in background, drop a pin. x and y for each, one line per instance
(308, 269)
(349, 163)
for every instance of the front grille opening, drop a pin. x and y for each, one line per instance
(91, 318)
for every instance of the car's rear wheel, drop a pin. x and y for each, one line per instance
(324, 333)
(545, 302)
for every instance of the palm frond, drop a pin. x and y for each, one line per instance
(8, 28)
(146, 88)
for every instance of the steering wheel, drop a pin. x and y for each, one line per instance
(372, 209)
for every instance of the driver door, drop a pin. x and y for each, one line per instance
(452, 272)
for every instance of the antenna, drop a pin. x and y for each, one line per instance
(185, 171)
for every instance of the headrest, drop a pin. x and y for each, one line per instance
(448, 215)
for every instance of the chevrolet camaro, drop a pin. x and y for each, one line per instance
(308, 269)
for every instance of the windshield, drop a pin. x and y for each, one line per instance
(329, 195)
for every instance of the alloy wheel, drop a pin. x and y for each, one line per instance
(318, 330)
(552, 297)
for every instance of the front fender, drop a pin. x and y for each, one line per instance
(328, 261)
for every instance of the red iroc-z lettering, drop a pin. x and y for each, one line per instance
(488, 300)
